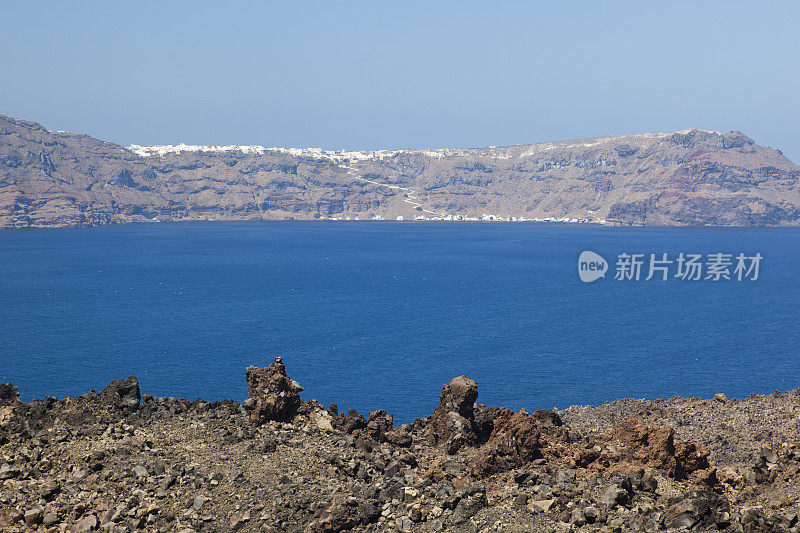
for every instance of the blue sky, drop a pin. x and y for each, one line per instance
(363, 75)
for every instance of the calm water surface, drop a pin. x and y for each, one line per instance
(372, 315)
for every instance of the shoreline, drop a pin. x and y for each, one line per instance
(394, 222)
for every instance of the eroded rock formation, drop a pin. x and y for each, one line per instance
(272, 394)
(453, 423)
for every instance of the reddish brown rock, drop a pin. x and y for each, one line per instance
(518, 439)
(453, 423)
(273, 394)
(655, 446)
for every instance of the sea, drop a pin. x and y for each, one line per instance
(374, 315)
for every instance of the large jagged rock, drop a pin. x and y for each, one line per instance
(349, 423)
(122, 393)
(453, 423)
(272, 394)
(518, 438)
(656, 447)
(379, 424)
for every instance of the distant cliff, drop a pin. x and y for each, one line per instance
(694, 177)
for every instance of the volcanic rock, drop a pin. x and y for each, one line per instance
(276, 395)
(655, 446)
(517, 440)
(122, 393)
(8, 393)
(453, 423)
(343, 513)
(379, 423)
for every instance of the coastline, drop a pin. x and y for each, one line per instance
(403, 221)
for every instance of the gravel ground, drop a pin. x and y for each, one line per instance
(118, 461)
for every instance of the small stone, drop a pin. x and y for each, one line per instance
(237, 522)
(592, 514)
(404, 524)
(565, 476)
(140, 472)
(49, 519)
(83, 525)
(166, 482)
(768, 455)
(393, 468)
(613, 495)
(113, 515)
(198, 503)
(158, 467)
(542, 506)
(577, 519)
(34, 516)
(8, 471)
(525, 477)
(48, 490)
(649, 483)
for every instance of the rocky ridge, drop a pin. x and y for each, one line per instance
(693, 177)
(117, 460)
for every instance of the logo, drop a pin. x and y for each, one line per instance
(591, 266)
(716, 266)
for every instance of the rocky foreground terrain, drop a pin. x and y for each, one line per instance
(115, 460)
(693, 177)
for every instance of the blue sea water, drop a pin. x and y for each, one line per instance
(380, 315)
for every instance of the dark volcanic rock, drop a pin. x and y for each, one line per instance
(352, 422)
(123, 393)
(342, 514)
(8, 393)
(453, 421)
(379, 424)
(276, 396)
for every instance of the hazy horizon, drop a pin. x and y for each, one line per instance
(362, 76)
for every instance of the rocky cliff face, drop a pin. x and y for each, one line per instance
(695, 177)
